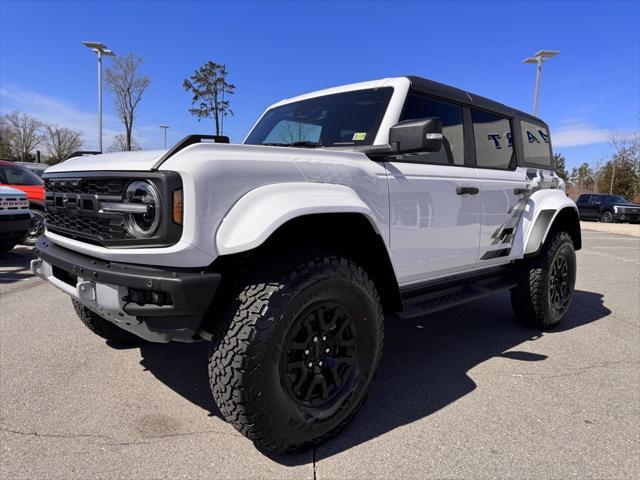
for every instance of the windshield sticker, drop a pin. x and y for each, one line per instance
(359, 136)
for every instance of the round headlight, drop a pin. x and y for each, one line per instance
(144, 223)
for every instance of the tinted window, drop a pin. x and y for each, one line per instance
(616, 199)
(452, 151)
(535, 139)
(18, 176)
(493, 140)
(341, 119)
(583, 198)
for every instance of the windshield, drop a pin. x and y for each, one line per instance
(18, 176)
(341, 119)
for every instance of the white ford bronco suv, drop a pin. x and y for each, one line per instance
(400, 196)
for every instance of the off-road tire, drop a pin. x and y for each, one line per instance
(606, 217)
(249, 347)
(104, 328)
(531, 299)
(36, 230)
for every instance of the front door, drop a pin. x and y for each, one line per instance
(434, 202)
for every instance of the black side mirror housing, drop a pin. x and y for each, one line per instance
(420, 135)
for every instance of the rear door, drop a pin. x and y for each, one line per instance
(434, 223)
(584, 206)
(503, 186)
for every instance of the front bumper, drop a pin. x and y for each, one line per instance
(108, 289)
(626, 217)
(14, 227)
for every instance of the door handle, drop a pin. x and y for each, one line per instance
(467, 190)
(521, 191)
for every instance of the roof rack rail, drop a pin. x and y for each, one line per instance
(185, 142)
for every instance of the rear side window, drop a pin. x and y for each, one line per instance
(493, 140)
(452, 151)
(18, 176)
(584, 198)
(535, 139)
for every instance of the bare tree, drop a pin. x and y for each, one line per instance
(127, 84)
(23, 133)
(6, 142)
(120, 144)
(61, 142)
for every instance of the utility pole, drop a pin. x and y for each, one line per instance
(613, 175)
(164, 127)
(539, 57)
(100, 49)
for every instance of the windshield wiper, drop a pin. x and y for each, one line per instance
(302, 144)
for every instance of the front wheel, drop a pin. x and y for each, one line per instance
(606, 217)
(294, 359)
(36, 230)
(546, 283)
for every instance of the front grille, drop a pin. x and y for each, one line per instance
(75, 204)
(87, 227)
(72, 208)
(94, 186)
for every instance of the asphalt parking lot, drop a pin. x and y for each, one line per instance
(465, 393)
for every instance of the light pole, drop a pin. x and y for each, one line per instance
(539, 57)
(100, 49)
(164, 127)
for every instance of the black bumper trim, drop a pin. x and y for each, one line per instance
(191, 290)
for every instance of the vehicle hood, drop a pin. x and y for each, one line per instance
(626, 204)
(10, 191)
(142, 160)
(147, 160)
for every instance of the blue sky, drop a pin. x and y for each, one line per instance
(275, 50)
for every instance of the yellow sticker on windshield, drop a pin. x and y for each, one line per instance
(359, 136)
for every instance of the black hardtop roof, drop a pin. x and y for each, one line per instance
(467, 98)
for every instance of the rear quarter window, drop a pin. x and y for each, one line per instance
(536, 144)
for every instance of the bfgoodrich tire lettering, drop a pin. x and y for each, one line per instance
(247, 354)
(546, 283)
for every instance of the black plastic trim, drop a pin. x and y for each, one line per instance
(168, 232)
(185, 142)
(191, 290)
(538, 231)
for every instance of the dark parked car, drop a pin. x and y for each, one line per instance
(607, 208)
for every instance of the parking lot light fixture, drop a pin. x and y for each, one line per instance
(101, 50)
(164, 127)
(539, 57)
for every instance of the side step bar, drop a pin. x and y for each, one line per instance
(446, 296)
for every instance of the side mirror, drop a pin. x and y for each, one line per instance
(421, 135)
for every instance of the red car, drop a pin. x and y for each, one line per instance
(15, 176)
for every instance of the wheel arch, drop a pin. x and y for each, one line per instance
(548, 220)
(349, 234)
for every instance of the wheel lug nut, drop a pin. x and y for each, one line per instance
(327, 350)
(315, 339)
(310, 364)
(324, 338)
(306, 352)
(320, 363)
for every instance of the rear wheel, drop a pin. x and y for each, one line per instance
(546, 283)
(606, 217)
(294, 359)
(104, 328)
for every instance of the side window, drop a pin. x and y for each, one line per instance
(583, 198)
(493, 140)
(535, 139)
(452, 151)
